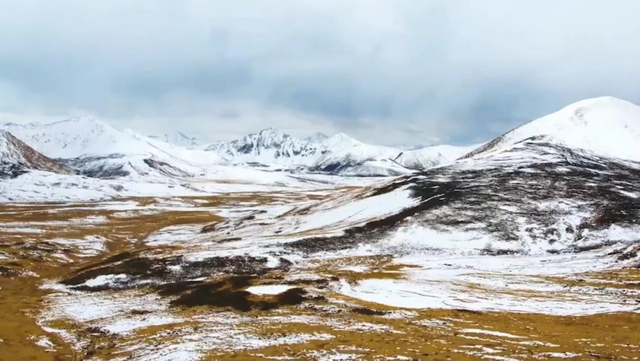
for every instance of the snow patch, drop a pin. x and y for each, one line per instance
(269, 289)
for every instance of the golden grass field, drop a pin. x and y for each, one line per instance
(341, 325)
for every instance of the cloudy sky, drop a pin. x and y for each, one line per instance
(383, 71)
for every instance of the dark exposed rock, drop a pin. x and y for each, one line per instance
(16, 158)
(169, 270)
(10, 170)
(98, 166)
(368, 311)
(166, 168)
(497, 194)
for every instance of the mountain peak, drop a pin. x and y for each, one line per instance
(340, 140)
(83, 119)
(607, 126)
(75, 137)
(600, 101)
(271, 132)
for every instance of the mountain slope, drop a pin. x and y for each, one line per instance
(269, 146)
(433, 156)
(17, 157)
(342, 154)
(607, 126)
(539, 195)
(177, 138)
(76, 137)
(534, 197)
(338, 155)
(97, 149)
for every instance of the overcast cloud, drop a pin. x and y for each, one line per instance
(383, 71)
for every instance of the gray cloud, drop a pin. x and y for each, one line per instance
(400, 71)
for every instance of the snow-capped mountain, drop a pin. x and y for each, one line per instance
(316, 138)
(178, 138)
(551, 186)
(269, 146)
(607, 126)
(17, 157)
(100, 150)
(339, 154)
(77, 137)
(97, 149)
(342, 154)
(433, 156)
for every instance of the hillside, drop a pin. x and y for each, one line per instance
(97, 149)
(77, 137)
(269, 146)
(17, 157)
(433, 156)
(607, 126)
(562, 183)
(339, 154)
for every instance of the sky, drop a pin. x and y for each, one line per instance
(399, 72)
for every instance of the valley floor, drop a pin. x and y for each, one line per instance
(216, 278)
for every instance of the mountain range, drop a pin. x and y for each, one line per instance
(97, 149)
(606, 126)
(339, 154)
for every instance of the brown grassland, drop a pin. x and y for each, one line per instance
(369, 331)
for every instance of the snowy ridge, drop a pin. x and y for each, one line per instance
(339, 154)
(607, 126)
(97, 149)
(343, 154)
(76, 137)
(433, 156)
(89, 137)
(177, 138)
(560, 184)
(269, 146)
(15, 156)
(531, 198)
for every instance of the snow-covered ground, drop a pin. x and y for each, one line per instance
(36, 186)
